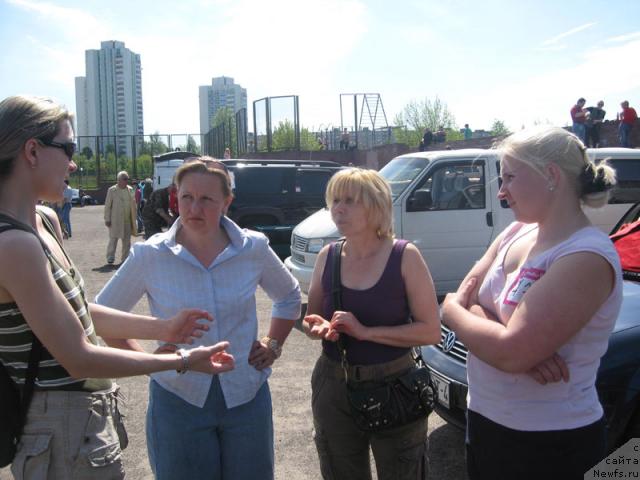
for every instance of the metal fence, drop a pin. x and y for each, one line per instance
(100, 158)
(231, 133)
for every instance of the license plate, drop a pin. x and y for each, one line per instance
(442, 389)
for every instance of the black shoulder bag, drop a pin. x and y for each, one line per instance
(13, 406)
(395, 401)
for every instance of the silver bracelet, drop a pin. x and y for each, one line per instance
(184, 356)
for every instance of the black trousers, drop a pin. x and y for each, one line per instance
(496, 452)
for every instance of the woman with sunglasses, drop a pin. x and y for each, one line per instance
(201, 426)
(73, 427)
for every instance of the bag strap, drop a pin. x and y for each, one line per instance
(36, 346)
(336, 294)
(16, 224)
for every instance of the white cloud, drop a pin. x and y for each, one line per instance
(537, 97)
(568, 33)
(624, 38)
(282, 47)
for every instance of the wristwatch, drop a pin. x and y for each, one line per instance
(273, 345)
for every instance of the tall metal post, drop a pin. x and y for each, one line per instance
(355, 117)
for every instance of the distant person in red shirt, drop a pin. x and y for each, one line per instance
(173, 201)
(579, 117)
(628, 118)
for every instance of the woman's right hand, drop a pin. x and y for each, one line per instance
(320, 328)
(551, 370)
(212, 359)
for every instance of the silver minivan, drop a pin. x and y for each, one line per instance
(445, 202)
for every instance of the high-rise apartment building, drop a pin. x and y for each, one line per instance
(223, 93)
(109, 99)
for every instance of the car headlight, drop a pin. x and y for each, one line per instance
(315, 245)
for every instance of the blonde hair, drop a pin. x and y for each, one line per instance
(541, 146)
(370, 189)
(204, 165)
(24, 117)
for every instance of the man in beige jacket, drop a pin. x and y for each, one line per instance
(120, 216)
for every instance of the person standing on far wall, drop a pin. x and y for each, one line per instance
(345, 138)
(628, 117)
(579, 117)
(120, 217)
(594, 122)
(467, 132)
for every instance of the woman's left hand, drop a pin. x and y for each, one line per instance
(261, 356)
(460, 298)
(185, 327)
(346, 322)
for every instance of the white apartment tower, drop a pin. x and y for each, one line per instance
(109, 99)
(223, 92)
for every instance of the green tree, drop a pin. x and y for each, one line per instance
(284, 138)
(498, 128)
(417, 115)
(225, 118)
(144, 165)
(87, 152)
(192, 146)
(155, 145)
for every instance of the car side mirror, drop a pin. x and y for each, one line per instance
(419, 201)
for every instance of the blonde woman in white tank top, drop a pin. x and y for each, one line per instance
(536, 313)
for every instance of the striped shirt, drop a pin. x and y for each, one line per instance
(16, 335)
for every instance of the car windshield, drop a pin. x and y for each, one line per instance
(401, 171)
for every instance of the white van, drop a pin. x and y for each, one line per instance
(445, 202)
(165, 166)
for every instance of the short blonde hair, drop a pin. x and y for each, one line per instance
(541, 146)
(370, 189)
(204, 166)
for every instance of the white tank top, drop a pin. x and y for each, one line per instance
(516, 400)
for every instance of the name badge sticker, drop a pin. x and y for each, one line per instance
(526, 277)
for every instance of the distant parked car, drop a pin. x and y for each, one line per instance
(618, 380)
(79, 198)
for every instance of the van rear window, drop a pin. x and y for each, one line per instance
(627, 190)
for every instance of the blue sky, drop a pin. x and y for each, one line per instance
(521, 62)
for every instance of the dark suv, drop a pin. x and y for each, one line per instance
(273, 196)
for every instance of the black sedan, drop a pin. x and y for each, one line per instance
(618, 381)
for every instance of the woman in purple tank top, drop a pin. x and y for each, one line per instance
(388, 306)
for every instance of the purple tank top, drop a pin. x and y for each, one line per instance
(384, 304)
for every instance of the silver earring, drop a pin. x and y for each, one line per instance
(551, 188)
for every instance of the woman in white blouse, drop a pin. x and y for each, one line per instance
(203, 426)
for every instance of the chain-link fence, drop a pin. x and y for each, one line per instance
(100, 158)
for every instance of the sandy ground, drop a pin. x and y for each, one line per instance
(295, 456)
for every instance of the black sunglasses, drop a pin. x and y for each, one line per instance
(69, 148)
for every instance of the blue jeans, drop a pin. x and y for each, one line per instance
(66, 217)
(624, 131)
(213, 442)
(580, 130)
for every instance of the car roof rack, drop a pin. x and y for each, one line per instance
(263, 161)
(177, 155)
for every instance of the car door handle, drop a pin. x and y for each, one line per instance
(489, 219)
